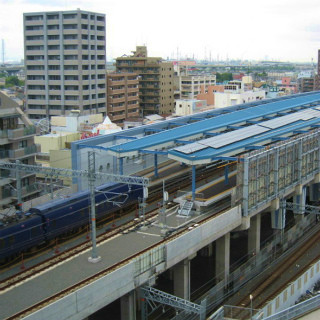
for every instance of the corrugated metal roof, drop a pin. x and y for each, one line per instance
(217, 122)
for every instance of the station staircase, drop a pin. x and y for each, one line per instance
(185, 208)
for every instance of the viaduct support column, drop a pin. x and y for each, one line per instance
(181, 279)
(254, 234)
(223, 257)
(128, 306)
(278, 215)
(300, 199)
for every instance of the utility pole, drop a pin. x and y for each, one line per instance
(91, 179)
(18, 184)
(2, 51)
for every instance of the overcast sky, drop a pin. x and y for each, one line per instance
(287, 30)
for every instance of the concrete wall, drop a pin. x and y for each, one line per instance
(55, 141)
(293, 291)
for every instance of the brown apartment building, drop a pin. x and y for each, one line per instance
(122, 97)
(155, 81)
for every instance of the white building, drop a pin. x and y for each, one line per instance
(184, 107)
(190, 86)
(237, 92)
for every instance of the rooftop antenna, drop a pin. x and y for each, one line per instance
(2, 51)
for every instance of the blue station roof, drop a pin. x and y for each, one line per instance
(240, 119)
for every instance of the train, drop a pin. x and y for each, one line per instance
(46, 222)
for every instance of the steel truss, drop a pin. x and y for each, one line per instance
(154, 298)
(296, 206)
(69, 173)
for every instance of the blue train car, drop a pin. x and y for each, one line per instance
(58, 217)
(19, 236)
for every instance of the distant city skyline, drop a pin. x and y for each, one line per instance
(247, 30)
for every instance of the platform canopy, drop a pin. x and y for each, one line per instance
(231, 132)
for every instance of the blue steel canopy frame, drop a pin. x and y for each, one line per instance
(266, 175)
(213, 120)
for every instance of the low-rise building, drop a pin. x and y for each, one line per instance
(232, 93)
(190, 85)
(184, 107)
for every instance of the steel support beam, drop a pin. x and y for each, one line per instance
(152, 297)
(69, 173)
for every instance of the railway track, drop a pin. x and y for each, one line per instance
(277, 278)
(20, 278)
(59, 258)
(177, 179)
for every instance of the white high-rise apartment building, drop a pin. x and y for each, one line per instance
(65, 60)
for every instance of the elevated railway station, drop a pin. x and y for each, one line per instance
(217, 176)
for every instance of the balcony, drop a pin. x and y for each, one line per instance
(117, 117)
(133, 98)
(116, 91)
(22, 152)
(116, 109)
(4, 154)
(6, 193)
(21, 132)
(115, 100)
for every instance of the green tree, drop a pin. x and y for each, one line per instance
(221, 77)
(12, 81)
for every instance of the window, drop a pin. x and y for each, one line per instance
(53, 57)
(53, 47)
(53, 37)
(35, 58)
(52, 16)
(71, 67)
(71, 77)
(54, 67)
(70, 47)
(70, 36)
(54, 77)
(71, 57)
(54, 87)
(36, 87)
(35, 67)
(34, 18)
(23, 144)
(32, 38)
(55, 97)
(33, 28)
(69, 26)
(69, 16)
(53, 27)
